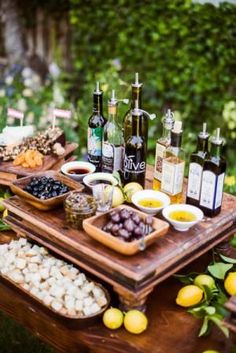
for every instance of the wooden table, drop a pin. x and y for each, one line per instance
(171, 329)
(132, 277)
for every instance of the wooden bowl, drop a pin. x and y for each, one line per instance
(93, 227)
(73, 322)
(17, 187)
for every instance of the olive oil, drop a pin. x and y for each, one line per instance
(113, 143)
(196, 168)
(213, 178)
(150, 203)
(127, 122)
(182, 216)
(95, 130)
(135, 151)
(161, 145)
(173, 166)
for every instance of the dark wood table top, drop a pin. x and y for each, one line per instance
(138, 272)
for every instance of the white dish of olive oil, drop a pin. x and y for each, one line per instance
(150, 201)
(182, 216)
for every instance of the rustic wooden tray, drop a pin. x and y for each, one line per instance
(133, 277)
(71, 321)
(48, 162)
(93, 227)
(17, 187)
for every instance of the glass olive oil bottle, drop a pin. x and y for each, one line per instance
(135, 151)
(196, 168)
(95, 130)
(136, 95)
(161, 145)
(213, 178)
(173, 166)
(113, 142)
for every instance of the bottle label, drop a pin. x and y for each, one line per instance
(95, 141)
(194, 181)
(219, 190)
(208, 189)
(172, 177)
(112, 157)
(132, 166)
(160, 155)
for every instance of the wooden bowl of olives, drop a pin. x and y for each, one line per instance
(125, 229)
(45, 190)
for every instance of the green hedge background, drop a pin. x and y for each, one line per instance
(185, 54)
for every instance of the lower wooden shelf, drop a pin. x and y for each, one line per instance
(171, 329)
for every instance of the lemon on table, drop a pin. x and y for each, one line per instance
(118, 196)
(204, 280)
(5, 213)
(230, 283)
(113, 318)
(135, 321)
(189, 295)
(2, 207)
(130, 189)
(211, 351)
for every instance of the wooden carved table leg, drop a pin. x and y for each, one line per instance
(134, 300)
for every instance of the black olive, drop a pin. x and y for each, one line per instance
(136, 218)
(116, 218)
(142, 225)
(129, 225)
(109, 226)
(115, 229)
(124, 214)
(124, 233)
(137, 232)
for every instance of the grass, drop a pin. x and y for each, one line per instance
(16, 339)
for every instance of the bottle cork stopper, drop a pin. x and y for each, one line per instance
(97, 87)
(204, 128)
(177, 127)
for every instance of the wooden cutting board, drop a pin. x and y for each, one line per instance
(48, 162)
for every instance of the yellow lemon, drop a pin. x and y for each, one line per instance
(118, 196)
(230, 283)
(135, 321)
(204, 280)
(211, 351)
(2, 207)
(189, 295)
(5, 213)
(113, 318)
(130, 189)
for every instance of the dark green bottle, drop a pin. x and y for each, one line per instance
(135, 151)
(95, 130)
(196, 168)
(136, 95)
(213, 178)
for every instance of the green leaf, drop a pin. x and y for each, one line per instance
(186, 279)
(219, 323)
(219, 269)
(233, 242)
(228, 259)
(210, 310)
(199, 312)
(205, 327)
